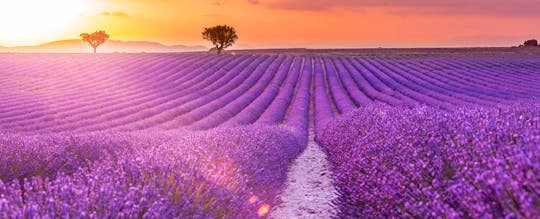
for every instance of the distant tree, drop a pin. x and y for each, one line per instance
(95, 39)
(532, 42)
(221, 36)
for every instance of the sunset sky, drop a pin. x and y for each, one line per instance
(278, 23)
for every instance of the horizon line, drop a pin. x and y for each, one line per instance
(288, 46)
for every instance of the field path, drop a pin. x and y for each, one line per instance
(309, 191)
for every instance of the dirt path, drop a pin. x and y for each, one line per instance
(309, 190)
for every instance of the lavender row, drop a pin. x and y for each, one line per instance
(273, 76)
(121, 92)
(275, 112)
(369, 84)
(298, 115)
(322, 105)
(221, 173)
(339, 95)
(86, 112)
(109, 113)
(357, 93)
(100, 77)
(427, 79)
(254, 110)
(469, 162)
(98, 106)
(222, 80)
(161, 98)
(219, 96)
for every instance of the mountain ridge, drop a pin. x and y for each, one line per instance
(79, 46)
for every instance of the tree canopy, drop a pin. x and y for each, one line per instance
(532, 42)
(95, 39)
(221, 36)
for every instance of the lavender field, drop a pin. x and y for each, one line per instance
(195, 135)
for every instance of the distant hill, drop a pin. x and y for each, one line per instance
(78, 46)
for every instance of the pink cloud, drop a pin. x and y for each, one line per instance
(419, 7)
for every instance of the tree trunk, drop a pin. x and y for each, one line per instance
(95, 49)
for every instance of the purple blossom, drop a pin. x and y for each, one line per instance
(471, 161)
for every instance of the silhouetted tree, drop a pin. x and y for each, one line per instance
(95, 39)
(222, 36)
(531, 43)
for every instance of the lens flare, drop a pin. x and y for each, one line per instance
(263, 210)
(252, 199)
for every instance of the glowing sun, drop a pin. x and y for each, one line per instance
(25, 22)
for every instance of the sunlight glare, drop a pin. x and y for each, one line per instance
(264, 210)
(252, 199)
(24, 22)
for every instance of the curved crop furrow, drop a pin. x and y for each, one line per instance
(357, 94)
(409, 97)
(250, 113)
(273, 74)
(76, 94)
(424, 79)
(88, 71)
(83, 92)
(145, 105)
(485, 79)
(512, 69)
(168, 110)
(514, 78)
(339, 96)
(357, 74)
(88, 107)
(101, 105)
(464, 87)
(511, 79)
(463, 83)
(170, 119)
(527, 69)
(297, 114)
(409, 90)
(255, 81)
(275, 112)
(373, 86)
(499, 77)
(489, 64)
(27, 78)
(403, 78)
(485, 86)
(323, 109)
(154, 102)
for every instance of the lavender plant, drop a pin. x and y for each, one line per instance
(469, 162)
(222, 173)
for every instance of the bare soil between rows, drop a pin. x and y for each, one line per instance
(309, 190)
